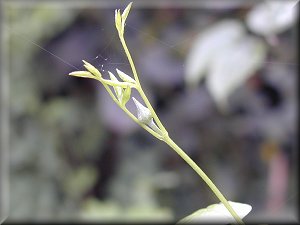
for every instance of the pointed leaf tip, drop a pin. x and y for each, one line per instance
(126, 12)
(118, 20)
(112, 76)
(125, 77)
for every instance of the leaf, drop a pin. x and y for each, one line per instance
(207, 45)
(126, 95)
(125, 77)
(118, 90)
(144, 114)
(231, 68)
(84, 74)
(272, 17)
(217, 213)
(125, 13)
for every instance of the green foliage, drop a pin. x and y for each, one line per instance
(108, 211)
(80, 180)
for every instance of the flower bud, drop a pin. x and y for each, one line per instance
(84, 74)
(143, 113)
(91, 69)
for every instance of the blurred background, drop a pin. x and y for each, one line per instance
(221, 75)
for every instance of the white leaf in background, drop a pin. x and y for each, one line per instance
(272, 17)
(217, 213)
(222, 5)
(233, 66)
(207, 45)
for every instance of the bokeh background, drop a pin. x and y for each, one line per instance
(75, 156)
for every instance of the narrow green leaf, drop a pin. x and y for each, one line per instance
(118, 20)
(118, 90)
(125, 77)
(125, 14)
(126, 11)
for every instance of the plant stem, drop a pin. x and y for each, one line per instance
(139, 87)
(171, 143)
(201, 173)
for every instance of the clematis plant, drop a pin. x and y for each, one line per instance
(120, 91)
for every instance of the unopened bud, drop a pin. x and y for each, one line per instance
(143, 113)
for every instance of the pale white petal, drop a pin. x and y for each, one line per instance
(272, 17)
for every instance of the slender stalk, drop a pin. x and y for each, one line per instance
(172, 144)
(139, 87)
(206, 179)
(136, 77)
(160, 132)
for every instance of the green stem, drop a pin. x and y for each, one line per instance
(136, 77)
(171, 143)
(201, 173)
(139, 88)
